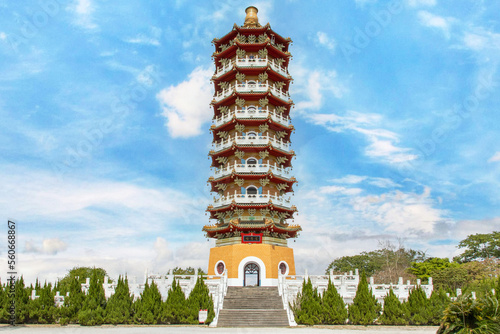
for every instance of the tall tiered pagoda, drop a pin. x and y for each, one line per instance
(251, 156)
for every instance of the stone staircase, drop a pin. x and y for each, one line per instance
(252, 307)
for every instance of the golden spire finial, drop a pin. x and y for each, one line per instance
(251, 20)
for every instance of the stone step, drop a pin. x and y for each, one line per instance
(252, 318)
(252, 307)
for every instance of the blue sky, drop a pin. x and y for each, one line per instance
(104, 118)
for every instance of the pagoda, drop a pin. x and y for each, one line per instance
(251, 156)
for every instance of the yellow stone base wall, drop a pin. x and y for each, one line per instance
(233, 255)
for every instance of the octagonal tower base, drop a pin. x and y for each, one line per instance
(251, 264)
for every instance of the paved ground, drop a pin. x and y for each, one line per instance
(205, 330)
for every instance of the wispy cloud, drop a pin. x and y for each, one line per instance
(340, 190)
(495, 157)
(400, 212)
(186, 105)
(418, 3)
(479, 39)
(434, 21)
(357, 179)
(383, 143)
(324, 40)
(83, 10)
(152, 38)
(315, 86)
(49, 246)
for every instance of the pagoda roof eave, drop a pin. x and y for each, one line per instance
(236, 29)
(236, 225)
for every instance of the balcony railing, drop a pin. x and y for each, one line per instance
(251, 113)
(251, 140)
(252, 168)
(251, 87)
(251, 199)
(251, 62)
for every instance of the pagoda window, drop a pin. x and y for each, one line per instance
(252, 135)
(251, 84)
(251, 109)
(251, 161)
(251, 190)
(251, 58)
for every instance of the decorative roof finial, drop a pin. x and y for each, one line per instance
(251, 20)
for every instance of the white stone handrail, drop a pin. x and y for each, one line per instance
(283, 292)
(251, 198)
(251, 87)
(251, 140)
(221, 293)
(248, 61)
(249, 113)
(251, 168)
(346, 286)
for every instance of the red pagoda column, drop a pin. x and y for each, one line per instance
(252, 156)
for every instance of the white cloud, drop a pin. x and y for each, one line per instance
(400, 212)
(495, 157)
(349, 179)
(141, 39)
(363, 3)
(418, 3)
(324, 40)
(186, 105)
(53, 246)
(84, 10)
(375, 181)
(120, 226)
(3, 36)
(383, 182)
(434, 21)
(315, 85)
(153, 38)
(480, 39)
(382, 142)
(49, 246)
(340, 190)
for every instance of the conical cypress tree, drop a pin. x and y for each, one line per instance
(4, 304)
(393, 311)
(417, 307)
(72, 303)
(175, 308)
(365, 309)
(22, 297)
(119, 305)
(436, 306)
(148, 309)
(92, 311)
(307, 305)
(497, 289)
(333, 306)
(200, 299)
(42, 309)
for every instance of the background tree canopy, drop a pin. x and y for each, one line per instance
(385, 264)
(479, 247)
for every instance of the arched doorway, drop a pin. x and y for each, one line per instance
(252, 275)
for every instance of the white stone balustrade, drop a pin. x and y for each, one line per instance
(251, 140)
(251, 114)
(346, 285)
(251, 87)
(251, 168)
(251, 62)
(251, 198)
